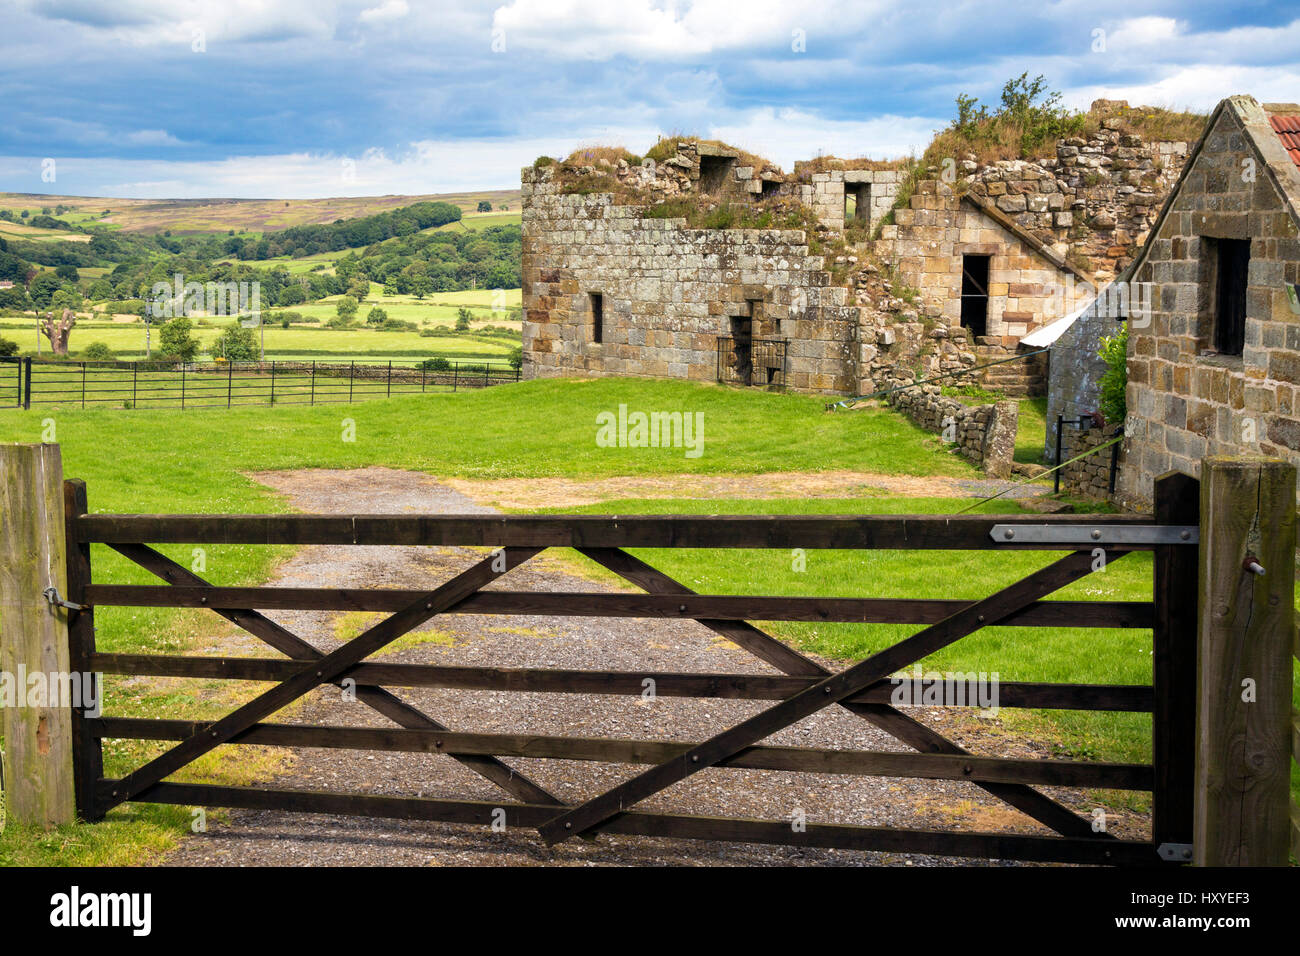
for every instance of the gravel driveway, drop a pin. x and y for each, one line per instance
(274, 838)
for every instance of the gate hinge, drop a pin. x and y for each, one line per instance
(56, 600)
(1101, 534)
(1175, 852)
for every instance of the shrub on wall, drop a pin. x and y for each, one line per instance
(1114, 352)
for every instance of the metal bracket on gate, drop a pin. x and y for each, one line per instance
(56, 600)
(1082, 534)
(1175, 852)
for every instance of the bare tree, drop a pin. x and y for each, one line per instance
(58, 331)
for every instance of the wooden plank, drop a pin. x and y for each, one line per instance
(40, 788)
(382, 701)
(317, 672)
(88, 756)
(1117, 697)
(1057, 773)
(1037, 849)
(1133, 614)
(831, 690)
(1173, 667)
(910, 731)
(897, 532)
(1243, 760)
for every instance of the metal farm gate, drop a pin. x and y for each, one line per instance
(743, 360)
(798, 687)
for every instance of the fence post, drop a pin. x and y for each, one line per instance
(39, 785)
(455, 375)
(182, 385)
(135, 375)
(1173, 667)
(272, 382)
(83, 384)
(312, 399)
(390, 379)
(1247, 620)
(27, 387)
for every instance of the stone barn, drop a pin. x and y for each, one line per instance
(1214, 361)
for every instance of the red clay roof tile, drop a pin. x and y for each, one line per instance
(1288, 131)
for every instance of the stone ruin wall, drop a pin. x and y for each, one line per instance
(985, 435)
(668, 292)
(1094, 202)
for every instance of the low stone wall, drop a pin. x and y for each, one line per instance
(1090, 476)
(983, 434)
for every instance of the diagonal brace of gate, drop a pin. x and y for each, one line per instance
(894, 722)
(383, 701)
(832, 690)
(316, 673)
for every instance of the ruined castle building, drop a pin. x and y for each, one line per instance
(1216, 370)
(967, 273)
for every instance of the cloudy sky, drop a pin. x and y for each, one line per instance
(302, 98)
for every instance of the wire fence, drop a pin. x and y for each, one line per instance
(25, 382)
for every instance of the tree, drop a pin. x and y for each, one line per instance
(484, 206)
(347, 308)
(236, 344)
(43, 288)
(176, 341)
(463, 315)
(376, 316)
(59, 329)
(517, 358)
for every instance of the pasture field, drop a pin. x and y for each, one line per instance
(200, 461)
(182, 216)
(296, 342)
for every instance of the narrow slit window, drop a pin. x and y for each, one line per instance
(597, 317)
(1230, 295)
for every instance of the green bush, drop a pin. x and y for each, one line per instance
(97, 352)
(517, 358)
(436, 365)
(1114, 352)
(541, 161)
(8, 346)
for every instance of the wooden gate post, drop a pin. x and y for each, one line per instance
(1247, 618)
(39, 786)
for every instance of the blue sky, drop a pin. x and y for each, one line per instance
(302, 98)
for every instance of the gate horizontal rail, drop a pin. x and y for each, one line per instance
(837, 532)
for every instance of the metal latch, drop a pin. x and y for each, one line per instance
(1175, 852)
(1082, 534)
(56, 600)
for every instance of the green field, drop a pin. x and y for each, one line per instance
(198, 461)
(296, 342)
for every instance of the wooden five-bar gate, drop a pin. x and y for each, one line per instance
(1209, 801)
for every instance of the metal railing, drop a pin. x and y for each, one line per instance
(163, 384)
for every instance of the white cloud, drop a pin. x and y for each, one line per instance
(1198, 88)
(158, 22)
(152, 137)
(387, 11)
(599, 30)
(786, 135)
